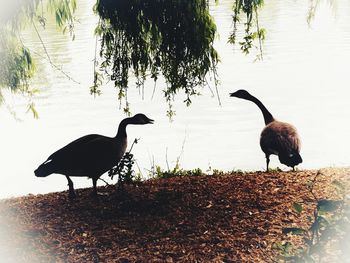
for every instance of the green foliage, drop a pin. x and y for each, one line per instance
(98, 80)
(329, 223)
(284, 247)
(16, 66)
(250, 9)
(17, 13)
(297, 207)
(149, 38)
(64, 14)
(124, 169)
(16, 63)
(314, 5)
(293, 230)
(176, 171)
(275, 170)
(324, 205)
(31, 108)
(217, 172)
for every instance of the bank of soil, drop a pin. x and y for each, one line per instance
(234, 217)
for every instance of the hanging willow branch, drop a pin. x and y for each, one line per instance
(153, 37)
(250, 9)
(17, 66)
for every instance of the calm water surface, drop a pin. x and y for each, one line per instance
(303, 79)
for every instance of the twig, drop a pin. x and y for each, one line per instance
(153, 166)
(211, 91)
(182, 148)
(95, 57)
(48, 56)
(258, 29)
(166, 158)
(312, 11)
(313, 184)
(42, 42)
(138, 167)
(11, 111)
(56, 67)
(104, 181)
(154, 89)
(120, 161)
(216, 82)
(134, 142)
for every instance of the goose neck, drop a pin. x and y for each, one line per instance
(268, 118)
(122, 128)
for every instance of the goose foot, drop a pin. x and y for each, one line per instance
(72, 194)
(267, 162)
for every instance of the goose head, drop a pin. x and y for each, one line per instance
(140, 119)
(242, 94)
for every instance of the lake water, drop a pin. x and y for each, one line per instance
(303, 79)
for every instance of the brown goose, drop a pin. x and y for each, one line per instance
(91, 155)
(277, 137)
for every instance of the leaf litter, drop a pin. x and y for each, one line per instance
(236, 217)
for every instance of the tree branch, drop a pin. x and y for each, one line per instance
(48, 58)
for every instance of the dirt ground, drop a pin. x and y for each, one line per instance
(234, 217)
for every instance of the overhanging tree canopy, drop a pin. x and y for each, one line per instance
(17, 66)
(172, 38)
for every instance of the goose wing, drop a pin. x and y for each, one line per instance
(288, 138)
(73, 147)
(91, 155)
(279, 137)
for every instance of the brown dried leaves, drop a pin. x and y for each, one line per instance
(231, 218)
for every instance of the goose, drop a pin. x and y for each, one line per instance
(91, 155)
(279, 138)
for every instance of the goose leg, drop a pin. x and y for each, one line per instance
(267, 162)
(71, 188)
(94, 191)
(94, 184)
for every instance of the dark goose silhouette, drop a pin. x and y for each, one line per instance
(279, 138)
(91, 155)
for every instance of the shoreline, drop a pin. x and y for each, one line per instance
(221, 172)
(230, 217)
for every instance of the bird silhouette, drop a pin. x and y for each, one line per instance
(279, 138)
(91, 155)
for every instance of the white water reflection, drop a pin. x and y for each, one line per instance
(302, 80)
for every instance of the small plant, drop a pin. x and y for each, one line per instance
(275, 170)
(157, 172)
(329, 225)
(176, 171)
(124, 169)
(217, 172)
